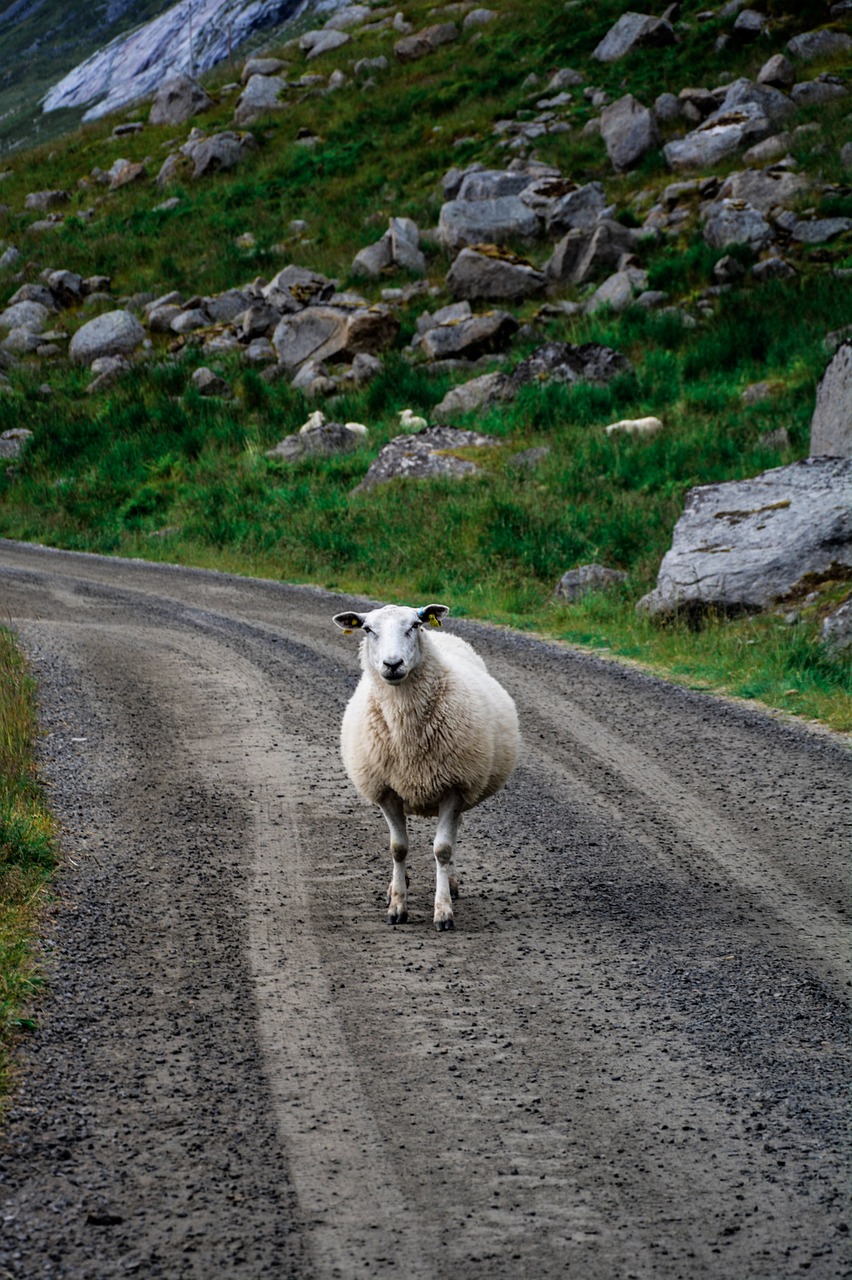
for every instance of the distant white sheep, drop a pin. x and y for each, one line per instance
(635, 426)
(427, 731)
(358, 428)
(410, 422)
(315, 420)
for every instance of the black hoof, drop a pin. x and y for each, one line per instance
(442, 925)
(402, 918)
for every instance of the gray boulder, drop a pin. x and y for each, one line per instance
(586, 578)
(569, 362)
(490, 273)
(294, 288)
(811, 45)
(178, 100)
(749, 26)
(43, 201)
(748, 544)
(426, 453)
(333, 333)
(836, 632)
(13, 442)
(478, 393)
(633, 31)
(817, 93)
(66, 287)
(777, 71)
(373, 259)
(736, 222)
(629, 131)
(831, 425)
(564, 205)
(764, 189)
(220, 151)
(25, 315)
(326, 440)
(491, 184)
(260, 96)
(115, 333)
(466, 222)
(618, 291)
(412, 48)
(317, 43)
(582, 255)
(208, 383)
(813, 230)
(471, 338)
(261, 67)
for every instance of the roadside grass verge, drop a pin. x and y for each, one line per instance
(27, 853)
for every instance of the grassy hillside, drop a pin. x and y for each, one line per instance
(148, 467)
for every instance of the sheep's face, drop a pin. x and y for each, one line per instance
(391, 637)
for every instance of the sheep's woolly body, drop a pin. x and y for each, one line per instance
(449, 725)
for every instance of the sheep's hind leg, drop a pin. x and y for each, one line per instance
(446, 886)
(394, 812)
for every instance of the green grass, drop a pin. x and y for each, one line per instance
(27, 853)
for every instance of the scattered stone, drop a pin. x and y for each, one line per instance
(778, 439)
(258, 98)
(478, 393)
(427, 453)
(294, 288)
(569, 362)
(324, 440)
(478, 18)
(352, 15)
(836, 631)
(749, 26)
(110, 334)
(633, 31)
(563, 205)
(817, 93)
(260, 351)
(468, 222)
(125, 172)
(667, 108)
(333, 333)
(208, 383)
(586, 578)
(317, 43)
(44, 201)
(748, 544)
(261, 67)
(629, 131)
(413, 47)
(486, 272)
(764, 189)
(773, 268)
(25, 315)
(823, 43)
(220, 151)
(618, 291)
(813, 230)
(736, 222)
(778, 71)
(366, 67)
(9, 257)
(178, 100)
(13, 442)
(728, 270)
(583, 254)
(831, 425)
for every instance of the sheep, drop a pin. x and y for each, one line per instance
(635, 426)
(428, 732)
(315, 420)
(357, 428)
(410, 422)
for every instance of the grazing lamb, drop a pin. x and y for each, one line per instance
(410, 422)
(315, 420)
(427, 731)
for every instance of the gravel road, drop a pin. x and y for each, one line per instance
(628, 1060)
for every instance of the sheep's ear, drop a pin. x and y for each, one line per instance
(348, 622)
(433, 613)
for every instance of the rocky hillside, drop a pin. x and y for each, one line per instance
(587, 261)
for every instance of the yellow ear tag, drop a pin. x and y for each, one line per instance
(347, 631)
(433, 621)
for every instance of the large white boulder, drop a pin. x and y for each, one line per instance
(115, 333)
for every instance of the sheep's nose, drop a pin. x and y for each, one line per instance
(393, 665)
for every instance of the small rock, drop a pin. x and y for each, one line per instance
(178, 100)
(777, 71)
(836, 632)
(586, 578)
(831, 425)
(773, 268)
(208, 383)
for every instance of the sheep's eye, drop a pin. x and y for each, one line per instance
(415, 626)
(367, 631)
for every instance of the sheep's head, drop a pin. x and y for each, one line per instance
(391, 637)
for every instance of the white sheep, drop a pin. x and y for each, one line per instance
(635, 426)
(315, 420)
(427, 731)
(357, 427)
(410, 422)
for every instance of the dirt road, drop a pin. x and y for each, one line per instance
(628, 1060)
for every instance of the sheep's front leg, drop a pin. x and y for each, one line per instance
(446, 887)
(394, 811)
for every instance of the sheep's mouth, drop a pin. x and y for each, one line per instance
(394, 677)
